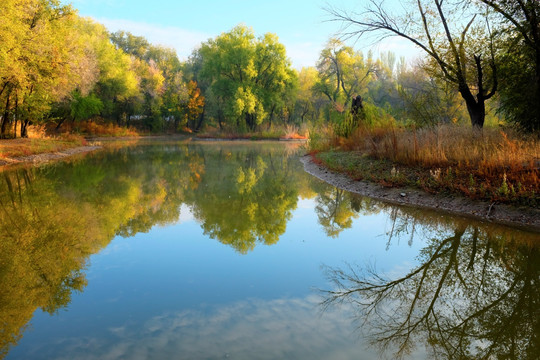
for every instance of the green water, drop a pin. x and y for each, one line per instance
(185, 250)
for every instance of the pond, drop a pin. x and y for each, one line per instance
(218, 250)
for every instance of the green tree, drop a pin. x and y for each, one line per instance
(247, 76)
(308, 101)
(118, 86)
(427, 100)
(343, 73)
(519, 22)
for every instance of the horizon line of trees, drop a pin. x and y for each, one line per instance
(57, 68)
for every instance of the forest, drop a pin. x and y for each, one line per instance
(60, 70)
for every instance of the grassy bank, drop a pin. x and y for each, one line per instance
(17, 148)
(43, 140)
(492, 165)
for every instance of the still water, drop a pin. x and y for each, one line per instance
(185, 250)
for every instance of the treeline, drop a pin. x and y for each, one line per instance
(57, 68)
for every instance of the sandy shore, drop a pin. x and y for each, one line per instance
(524, 217)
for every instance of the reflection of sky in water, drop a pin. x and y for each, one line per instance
(250, 329)
(174, 293)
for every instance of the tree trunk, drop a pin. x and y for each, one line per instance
(220, 119)
(271, 117)
(24, 126)
(536, 126)
(15, 113)
(477, 113)
(250, 121)
(5, 117)
(119, 118)
(175, 123)
(201, 120)
(59, 124)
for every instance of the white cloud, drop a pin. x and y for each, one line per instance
(254, 329)
(303, 54)
(184, 41)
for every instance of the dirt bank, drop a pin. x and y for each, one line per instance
(46, 157)
(524, 217)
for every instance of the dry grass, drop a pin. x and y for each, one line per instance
(15, 148)
(99, 128)
(294, 133)
(495, 164)
(39, 141)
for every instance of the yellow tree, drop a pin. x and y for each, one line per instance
(343, 73)
(39, 59)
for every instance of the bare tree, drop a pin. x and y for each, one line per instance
(454, 50)
(473, 295)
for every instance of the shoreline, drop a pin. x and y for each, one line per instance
(47, 157)
(523, 217)
(101, 142)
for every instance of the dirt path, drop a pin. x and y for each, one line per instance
(528, 218)
(46, 157)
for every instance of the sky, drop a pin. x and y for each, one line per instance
(301, 25)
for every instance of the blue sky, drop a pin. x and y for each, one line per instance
(300, 24)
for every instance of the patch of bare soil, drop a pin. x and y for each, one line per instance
(525, 217)
(46, 157)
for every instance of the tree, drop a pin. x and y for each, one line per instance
(428, 100)
(117, 85)
(247, 76)
(194, 106)
(343, 73)
(520, 70)
(383, 90)
(137, 46)
(308, 101)
(456, 44)
(40, 60)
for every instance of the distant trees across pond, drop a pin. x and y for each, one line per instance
(58, 69)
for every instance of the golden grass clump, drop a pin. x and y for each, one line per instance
(100, 128)
(484, 150)
(501, 163)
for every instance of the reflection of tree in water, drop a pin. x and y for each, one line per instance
(336, 208)
(41, 252)
(475, 295)
(53, 218)
(245, 196)
(334, 211)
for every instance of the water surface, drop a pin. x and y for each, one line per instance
(230, 250)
